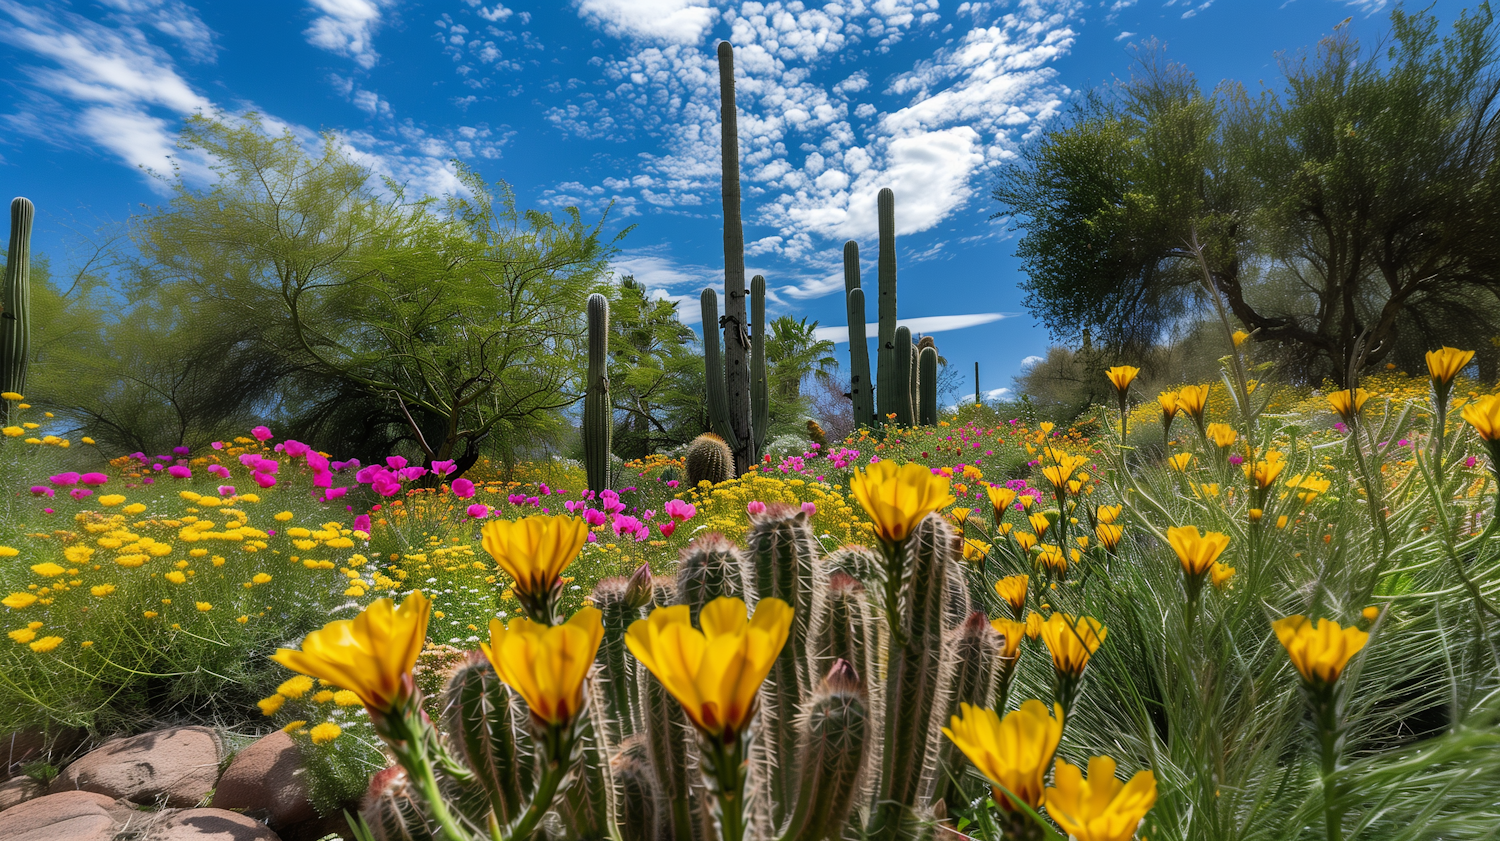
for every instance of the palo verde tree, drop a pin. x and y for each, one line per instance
(1347, 218)
(462, 317)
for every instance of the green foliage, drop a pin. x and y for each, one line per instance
(656, 374)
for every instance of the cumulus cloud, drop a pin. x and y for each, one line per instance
(670, 21)
(926, 325)
(1030, 361)
(346, 27)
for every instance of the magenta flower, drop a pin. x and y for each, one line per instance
(412, 473)
(226, 490)
(218, 445)
(264, 480)
(93, 479)
(462, 488)
(478, 510)
(261, 433)
(386, 486)
(1236, 459)
(594, 517)
(362, 523)
(218, 470)
(64, 480)
(756, 507)
(42, 490)
(395, 462)
(679, 510)
(443, 468)
(809, 508)
(80, 493)
(1471, 461)
(177, 471)
(322, 479)
(181, 451)
(672, 483)
(331, 494)
(294, 449)
(667, 528)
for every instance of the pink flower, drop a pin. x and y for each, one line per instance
(1468, 462)
(1236, 459)
(218, 445)
(591, 538)
(80, 493)
(64, 480)
(443, 468)
(395, 462)
(462, 488)
(331, 494)
(478, 510)
(672, 483)
(42, 490)
(294, 449)
(322, 479)
(264, 480)
(667, 528)
(317, 461)
(226, 490)
(809, 508)
(362, 523)
(93, 479)
(594, 517)
(181, 451)
(412, 473)
(386, 486)
(177, 471)
(756, 507)
(679, 510)
(261, 433)
(367, 475)
(218, 470)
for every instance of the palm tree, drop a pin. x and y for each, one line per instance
(793, 353)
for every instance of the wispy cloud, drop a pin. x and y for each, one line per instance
(926, 325)
(1123, 35)
(346, 27)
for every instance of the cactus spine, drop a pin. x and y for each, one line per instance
(760, 396)
(885, 386)
(974, 648)
(598, 414)
(708, 459)
(718, 394)
(15, 300)
(927, 362)
(901, 376)
(711, 566)
(631, 769)
(736, 342)
(834, 742)
(485, 724)
(860, 385)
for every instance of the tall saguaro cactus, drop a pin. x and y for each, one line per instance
(886, 395)
(15, 300)
(901, 371)
(598, 415)
(718, 395)
(760, 393)
(861, 388)
(736, 340)
(927, 363)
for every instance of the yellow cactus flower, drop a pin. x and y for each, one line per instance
(1320, 649)
(1053, 559)
(534, 552)
(897, 498)
(1109, 513)
(1100, 808)
(1220, 575)
(546, 665)
(1012, 589)
(1196, 552)
(1180, 462)
(1034, 623)
(1192, 399)
(1309, 486)
(1221, 434)
(371, 655)
(1262, 474)
(1484, 415)
(714, 673)
(975, 550)
(1072, 641)
(1039, 523)
(1121, 376)
(1011, 634)
(1370, 613)
(1026, 540)
(1168, 402)
(1109, 535)
(1001, 498)
(1013, 753)
(1347, 404)
(1443, 365)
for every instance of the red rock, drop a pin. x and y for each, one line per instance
(69, 816)
(178, 765)
(19, 790)
(207, 825)
(266, 781)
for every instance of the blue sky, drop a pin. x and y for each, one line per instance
(587, 102)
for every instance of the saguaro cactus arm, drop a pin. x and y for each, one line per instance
(736, 341)
(598, 416)
(760, 401)
(15, 300)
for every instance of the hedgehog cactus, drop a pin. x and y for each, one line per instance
(15, 300)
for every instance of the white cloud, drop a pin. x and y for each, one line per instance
(346, 27)
(926, 325)
(996, 393)
(1123, 35)
(172, 18)
(1030, 361)
(1369, 7)
(670, 21)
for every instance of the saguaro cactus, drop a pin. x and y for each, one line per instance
(718, 394)
(861, 388)
(927, 362)
(598, 413)
(901, 351)
(885, 387)
(736, 340)
(15, 300)
(760, 396)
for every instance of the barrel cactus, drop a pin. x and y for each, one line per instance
(708, 460)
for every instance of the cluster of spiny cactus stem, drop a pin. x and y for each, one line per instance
(883, 647)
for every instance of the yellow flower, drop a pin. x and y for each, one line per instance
(371, 654)
(294, 726)
(10, 395)
(345, 698)
(1180, 462)
(546, 665)
(176, 577)
(1370, 613)
(897, 498)
(47, 569)
(16, 601)
(1109, 535)
(1072, 641)
(1443, 365)
(975, 550)
(1222, 434)
(1053, 558)
(1011, 633)
(295, 687)
(534, 551)
(1026, 540)
(111, 500)
(1192, 399)
(1484, 415)
(283, 516)
(326, 732)
(1239, 337)
(1347, 403)
(1100, 808)
(9, 551)
(1109, 513)
(1319, 648)
(1121, 376)
(1311, 485)
(1264, 472)
(1034, 623)
(1039, 523)
(22, 635)
(1196, 552)
(1220, 575)
(261, 578)
(13, 431)
(134, 508)
(1013, 753)
(1168, 402)
(102, 590)
(203, 607)
(1012, 589)
(270, 706)
(1001, 498)
(714, 673)
(46, 644)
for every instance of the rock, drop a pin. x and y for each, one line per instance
(207, 825)
(178, 765)
(32, 745)
(19, 790)
(69, 816)
(265, 781)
